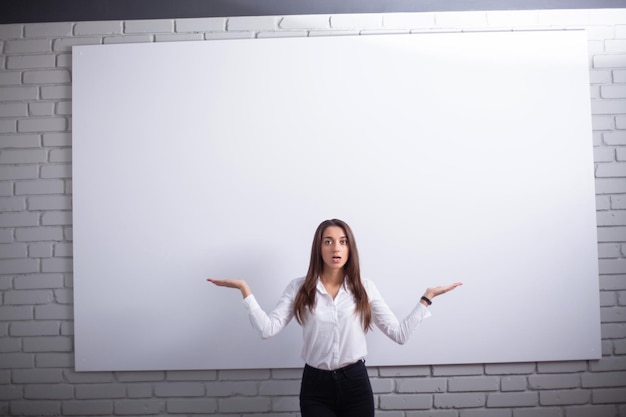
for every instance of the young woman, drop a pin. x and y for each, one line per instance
(335, 308)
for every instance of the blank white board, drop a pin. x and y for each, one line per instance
(457, 156)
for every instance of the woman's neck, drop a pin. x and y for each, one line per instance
(333, 277)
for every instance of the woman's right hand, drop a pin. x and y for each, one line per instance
(239, 284)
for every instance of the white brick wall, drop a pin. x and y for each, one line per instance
(36, 327)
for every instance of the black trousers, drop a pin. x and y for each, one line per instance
(344, 392)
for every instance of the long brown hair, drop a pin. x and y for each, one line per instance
(305, 299)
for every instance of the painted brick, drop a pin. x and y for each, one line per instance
(65, 296)
(251, 23)
(227, 389)
(34, 328)
(30, 61)
(64, 61)
(604, 380)
(563, 397)
(8, 126)
(608, 106)
(22, 156)
(56, 92)
(56, 218)
(10, 109)
(35, 408)
(63, 108)
(405, 402)
(48, 344)
(609, 250)
(32, 234)
(560, 381)
(472, 400)
(142, 391)
(128, 39)
(18, 93)
(35, 281)
(148, 26)
(54, 312)
(200, 25)
(614, 138)
(610, 186)
(356, 21)
(513, 383)
(12, 31)
(42, 30)
(379, 385)
(612, 218)
(618, 202)
(12, 203)
(87, 408)
(404, 371)
(55, 360)
(10, 344)
(42, 376)
(114, 27)
(178, 37)
(40, 109)
(539, 412)
(193, 406)
(278, 388)
(179, 389)
(17, 360)
(244, 374)
(20, 141)
(612, 266)
(42, 124)
(469, 384)
(50, 202)
(512, 399)
(12, 250)
(65, 44)
(64, 250)
(615, 169)
(244, 405)
(56, 265)
(11, 393)
(595, 411)
(27, 297)
(18, 266)
(95, 391)
(138, 407)
(52, 76)
(13, 219)
(10, 78)
(27, 46)
(50, 186)
(454, 370)
(40, 250)
(420, 385)
(304, 22)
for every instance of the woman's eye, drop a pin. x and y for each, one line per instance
(343, 242)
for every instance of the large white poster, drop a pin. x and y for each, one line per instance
(454, 157)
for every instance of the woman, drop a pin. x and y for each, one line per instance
(335, 308)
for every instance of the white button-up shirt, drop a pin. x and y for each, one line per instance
(333, 334)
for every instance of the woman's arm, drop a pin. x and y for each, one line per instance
(266, 324)
(386, 320)
(239, 284)
(431, 293)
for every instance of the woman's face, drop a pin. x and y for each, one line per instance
(335, 248)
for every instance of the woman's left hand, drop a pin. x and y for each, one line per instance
(441, 289)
